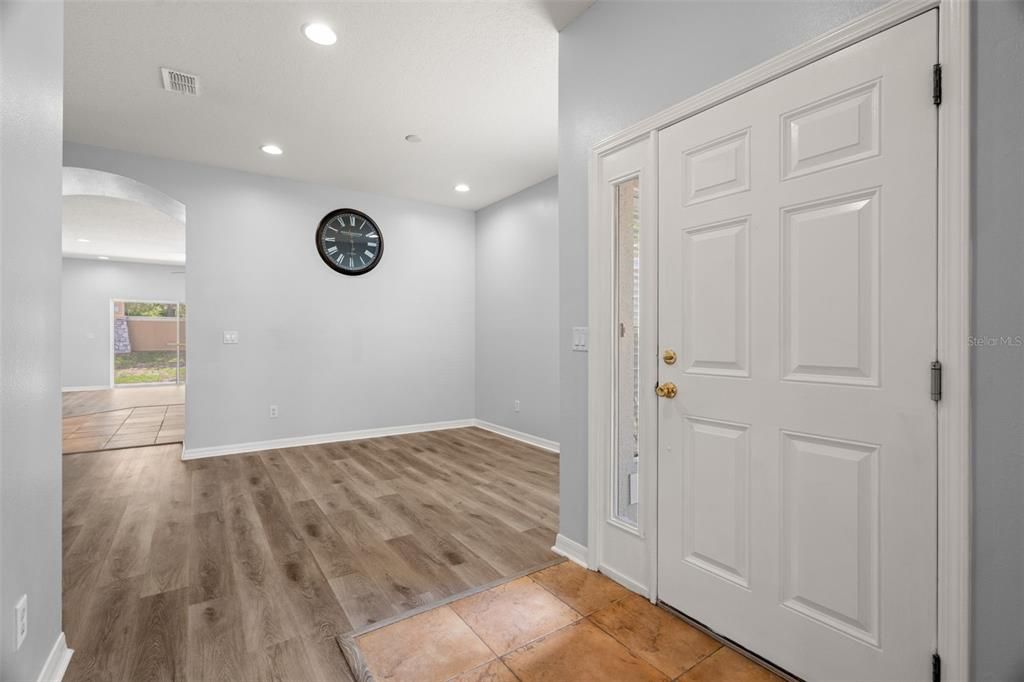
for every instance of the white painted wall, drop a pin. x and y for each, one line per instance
(31, 92)
(335, 353)
(517, 311)
(87, 286)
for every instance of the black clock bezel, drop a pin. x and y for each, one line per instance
(330, 263)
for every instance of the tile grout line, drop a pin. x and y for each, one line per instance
(353, 655)
(501, 657)
(728, 644)
(630, 649)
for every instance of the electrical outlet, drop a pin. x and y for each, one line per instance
(21, 620)
(230, 336)
(516, 405)
(273, 411)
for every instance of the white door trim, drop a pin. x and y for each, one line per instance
(608, 539)
(954, 306)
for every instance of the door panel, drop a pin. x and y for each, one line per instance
(715, 300)
(830, 282)
(716, 481)
(797, 282)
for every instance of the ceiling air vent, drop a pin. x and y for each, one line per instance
(180, 82)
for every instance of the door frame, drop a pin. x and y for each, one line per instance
(954, 304)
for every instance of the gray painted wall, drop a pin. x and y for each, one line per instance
(517, 311)
(619, 63)
(335, 353)
(657, 54)
(87, 286)
(31, 94)
(998, 390)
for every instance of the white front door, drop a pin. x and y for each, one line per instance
(797, 283)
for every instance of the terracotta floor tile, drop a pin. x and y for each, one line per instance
(668, 643)
(581, 651)
(510, 615)
(157, 410)
(116, 415)
(84, 444)
(495, 671)
(131, 440)
(586, 591)
(435, 645)
(130, 427)
(97, 429)
(726, 664)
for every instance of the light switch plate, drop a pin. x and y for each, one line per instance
(579, 339)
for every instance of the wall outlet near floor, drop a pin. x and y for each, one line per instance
(230, 336)
(273, 411)
(515, 405)
(20, 621)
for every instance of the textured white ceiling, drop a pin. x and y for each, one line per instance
(121, 230)
(477, 81)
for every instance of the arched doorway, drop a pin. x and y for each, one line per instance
(123, 345)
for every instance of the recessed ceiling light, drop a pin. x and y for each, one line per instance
(461, 187)
(413, 138)
(319, 33)
(103, 257)
(272, 149)
(83, 241)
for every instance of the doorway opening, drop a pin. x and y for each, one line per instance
(123, 314)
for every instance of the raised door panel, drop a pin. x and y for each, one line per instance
(717, 169)
(830, 556)
(716, 498)
(830, 290)
(716, 298)
(834, 131)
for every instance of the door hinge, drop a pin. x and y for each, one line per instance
(936, 668)
(937, 84)
(936, 381)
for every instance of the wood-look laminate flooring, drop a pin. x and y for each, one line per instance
(247, 567)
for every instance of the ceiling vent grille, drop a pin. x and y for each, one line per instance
(180, 82)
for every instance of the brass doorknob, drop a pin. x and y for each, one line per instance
(666, 390)
(669, 356)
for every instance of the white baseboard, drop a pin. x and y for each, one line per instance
(528, 438)
(628, 583)
(57, 662)
(571, 550)
(69, 389)
(256, 446)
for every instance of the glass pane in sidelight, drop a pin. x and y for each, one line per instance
(627, 305)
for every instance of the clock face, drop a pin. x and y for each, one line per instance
(349, 241)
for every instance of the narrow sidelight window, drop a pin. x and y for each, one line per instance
(627, 374)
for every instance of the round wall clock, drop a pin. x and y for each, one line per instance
(349, 241)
